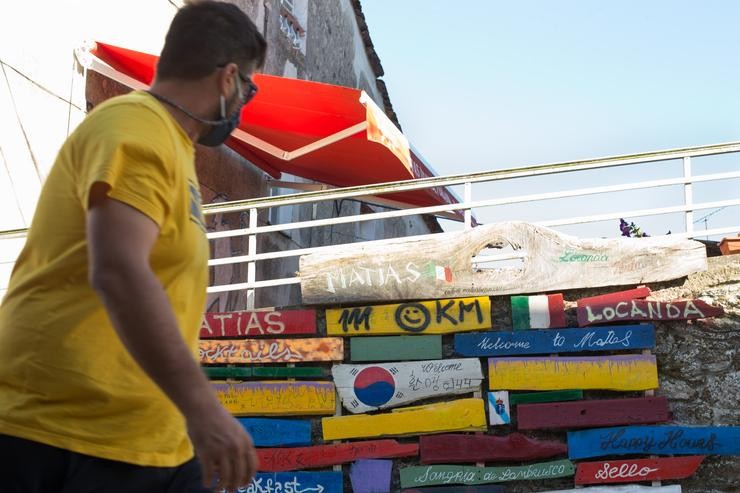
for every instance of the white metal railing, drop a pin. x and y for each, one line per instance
(686, 207)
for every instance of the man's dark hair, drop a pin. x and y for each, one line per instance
(206, 34)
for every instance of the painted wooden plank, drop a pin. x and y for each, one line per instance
(624, 471)
(593, 413)
(371, 476)
(296, 482)
(216, 372)
(288, 459)
(627, 488)
(659, 440)
(499, 410)
(371, 387)
(277, 398)
(271, 432)
(272, 350)
(423, 317)
(537, 312)
(514, 447)
(457, 415)
(638, 293)
(288, 372)
(447, 474)
(644, 310)
(407, 268)
(258, 323)
(395, 348)
(481, 488)
(549, 341)
(622, 372)
(549, 396)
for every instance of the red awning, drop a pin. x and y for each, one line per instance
(325, 133)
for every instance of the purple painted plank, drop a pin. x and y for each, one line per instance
(371, 476)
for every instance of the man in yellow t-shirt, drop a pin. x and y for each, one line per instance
(100, 388)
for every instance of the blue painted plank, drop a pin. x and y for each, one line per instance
(549, 341)
(657, 440)
(278, 432)
(371, 476)
(295, 482)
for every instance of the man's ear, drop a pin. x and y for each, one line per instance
(228, 78)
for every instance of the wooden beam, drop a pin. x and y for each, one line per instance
(297, 481)
(267, 432)
(470, 475)
(423, 317)
(664, 440)
(549, 341)
(593, 413)
(545, 311)
(288, 459)
(257, 323)
(645, 310)
(458, 448)
(623, 372)
(624, 471)
(440, 266)
(638, 293)
(458, 415)
(221, 372)
(371, 476)
(550, 396)
(627, 488)
(371, 387)
(482, 488)
(277, 398)
(395, 348)
(271, 350)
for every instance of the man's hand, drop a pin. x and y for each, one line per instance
(223, 447)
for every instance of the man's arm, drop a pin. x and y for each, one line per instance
(120, 240)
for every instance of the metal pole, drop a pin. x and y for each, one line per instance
(251, 250)
(688, 195)
(468, 198)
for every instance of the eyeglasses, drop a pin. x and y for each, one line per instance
(251, 86)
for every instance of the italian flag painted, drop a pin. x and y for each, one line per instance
(537, 312)
(439, 272)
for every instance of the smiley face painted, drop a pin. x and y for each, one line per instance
(412, 317)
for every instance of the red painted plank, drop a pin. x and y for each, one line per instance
(258, 323)
(630, 294)
(454, 448)
(593, 413)
(643, 310)
(289, 459)
(624, 471)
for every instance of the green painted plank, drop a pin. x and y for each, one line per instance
(396, 348)
(227, 371)
(551, 396)
(287, 372)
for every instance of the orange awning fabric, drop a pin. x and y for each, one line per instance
(325, 133)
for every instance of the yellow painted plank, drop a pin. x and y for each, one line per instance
(623, 372)
(458, 415)
(419, 317)
(277, 398)
(271, 350)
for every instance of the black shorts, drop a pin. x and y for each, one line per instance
(32, 467)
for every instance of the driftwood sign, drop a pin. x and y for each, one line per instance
(395, 348)
(269, 432)
(271, 350)
(469, 475)
(295, 482)
(258, 323)
(644, 310)
(549, 341)
(288, 459)
(625, 471)
(659, 440)
(365, 388)
(623, 372)
(514, 447)
(424, 317)
(458, 415)
(593, 413)
(440, 267)
(277, 398)
(371, 476)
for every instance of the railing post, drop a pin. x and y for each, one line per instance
(688, 195)
(467, 198)
(252, 265)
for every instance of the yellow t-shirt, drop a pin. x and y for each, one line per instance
(65, 377)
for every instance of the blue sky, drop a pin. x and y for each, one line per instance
(482, 85)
